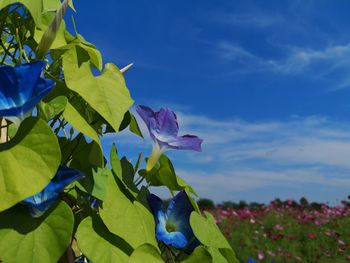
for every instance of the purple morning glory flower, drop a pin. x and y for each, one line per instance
(163, 129)
(22, 87)
(39, 203)
(173, 224)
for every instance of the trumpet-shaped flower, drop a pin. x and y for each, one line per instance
(163, 129)
(22, 87)
(39, 203)
(173, 224)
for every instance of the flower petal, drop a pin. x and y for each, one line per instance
(148, 116)
(167, 123)
(175, 239)
(178, 212)
(162, 125)
(186, 142)
(155, 203)
(179, 207)
(22, 87)
(41, 201)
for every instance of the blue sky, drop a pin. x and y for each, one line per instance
(266, 84)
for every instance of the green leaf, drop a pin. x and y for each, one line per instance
(27, 162)
(216, 255)
(34, 7)
(27, 239)
(145, 253)
(125, 122)
(207, 232)
(200, 254)
(86, 156)
(51, 5)
(93, 52)
(53, 107)
(107, 93)
(128, 174)
(95, 185)
(99, 245)
(123, 169)
(79, 123)
(134, 126)
(166, 176)
(229, 254)
(129, 220)
(115, 162)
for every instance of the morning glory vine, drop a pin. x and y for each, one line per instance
(63, 199)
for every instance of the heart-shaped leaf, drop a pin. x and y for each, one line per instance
(27, 162)
(106, 93)
(99, 245)
(27, 239)
(127, 219)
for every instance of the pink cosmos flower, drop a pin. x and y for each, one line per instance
(261, 255)
(279, 227)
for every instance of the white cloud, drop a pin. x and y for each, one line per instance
(244, 157)
(302, 141)
(297, 60)
(332, 57)
(253, 19)
(329, 63)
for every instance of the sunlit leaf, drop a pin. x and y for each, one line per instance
(200, 254)
(106, 93)
(128, 219)
(145, 253)
(207, 232)
(27, 239)
(35, 7)
(99, 245)
(79, 123)
(27, 162)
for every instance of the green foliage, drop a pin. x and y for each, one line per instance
(28, 239)
(212, 236)
(209, 234)
(105, 216)
(28, 162)
(200, 254)
(127, 218)
(106, 93)
(100, 245)
(145, 253)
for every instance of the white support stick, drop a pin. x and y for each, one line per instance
(3, 131)
(126, 68)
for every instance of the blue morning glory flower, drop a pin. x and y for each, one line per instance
(173, 224)
(39, 203)
(163, 128)
(22, 87)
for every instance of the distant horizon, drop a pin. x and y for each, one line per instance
(265, 84)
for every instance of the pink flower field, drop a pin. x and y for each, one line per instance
(287, 231)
